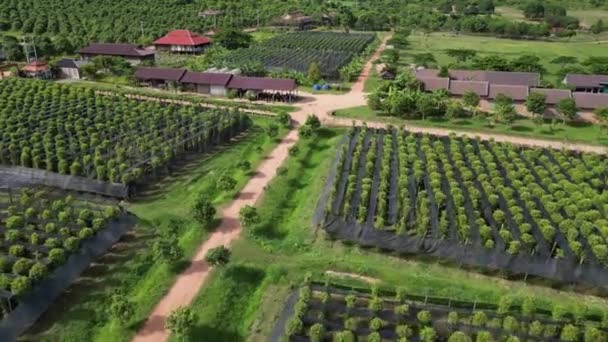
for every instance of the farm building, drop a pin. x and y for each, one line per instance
(553, 95)
(531, 79)
(587, 83)
(219, 83)
(37, 69)
(159, 77)
(207, 82)
(69, 68)
(587, 100)
(518, 93)
(264, 87)
(134, 54)
(295, 20)
(459, 88)
(182, 41)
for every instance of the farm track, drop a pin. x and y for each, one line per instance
(188, 283)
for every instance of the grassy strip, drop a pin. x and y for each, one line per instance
(180, 96)
(81, 313)
(582, 133)
(286, 246)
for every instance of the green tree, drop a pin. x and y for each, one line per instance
(272, 130)
(424, 317)
(316, 332)
(226, 182)
(313, 121)
(428, 334)
(569, 333)
(203, 210)
(484, 336)
(567, 109)
(167, 250)
(459, 336)
(536, 103)
(181, 322)
(121, 309)
(249, 216)
(232, 38)
(219, 256)
(314, 72)
(461, 55)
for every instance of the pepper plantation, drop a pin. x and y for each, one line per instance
(40, 229)
(320, 311)
(478, 203)
(331, 51)
(72, 130)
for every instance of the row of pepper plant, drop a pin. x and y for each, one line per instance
(499, 196)
(74, 131)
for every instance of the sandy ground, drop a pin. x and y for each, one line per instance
(189, 282)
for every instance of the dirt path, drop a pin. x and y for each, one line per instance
(189, 282)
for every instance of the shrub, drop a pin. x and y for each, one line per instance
(424, 317)
(203, 210)
(218, 256)
(294, 326)
(226, 183)
(22, 266)
(316, 332)
(57, 256)
(37, 271)
(20, 286)
(249, 216)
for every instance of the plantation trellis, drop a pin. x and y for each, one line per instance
(322, 312)
(296, 51)
(39, 231)
(527, 211)
(72, 131)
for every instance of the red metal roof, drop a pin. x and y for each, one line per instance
(590, 81)
(183, 37)
(219, 79)
(262, 83)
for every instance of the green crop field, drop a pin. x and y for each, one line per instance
(284, 247)
(586, 16)
(438, 43)
(130, 267)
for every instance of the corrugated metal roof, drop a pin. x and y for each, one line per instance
(165, 74)
(435, 83)
(123, 50)
(492, 77)
(516, 92)
(591, 81)
(183, 37)
(590, 100)
(210, 78)
(553, 95)
(262, 83)
(480, 88)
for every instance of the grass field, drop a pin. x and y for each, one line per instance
(587, 17)
(285, 247)
(584, 133)
(80, 314)
(438, 43)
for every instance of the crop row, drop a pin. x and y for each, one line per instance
(39, 231)
(322, 41)
(71, 130)
(550, 204)
(324, 313)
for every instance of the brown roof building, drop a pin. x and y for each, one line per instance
(516, 92)
(497, 77)
(435, 83)
(590, 100)
(459, 88)
(262, 83)
(135, 54)
(159, 76)
(553, 95)
(587, 83)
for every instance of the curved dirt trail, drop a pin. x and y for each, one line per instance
(188, 283)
